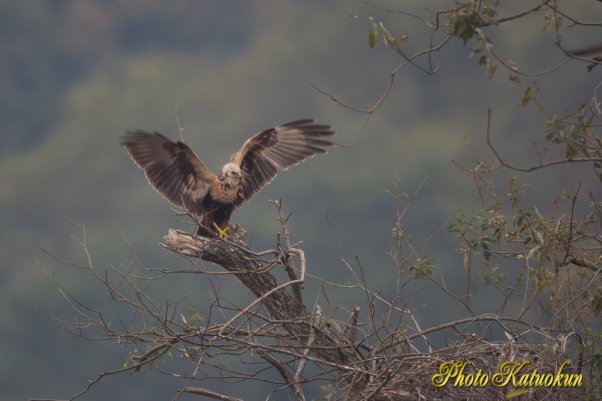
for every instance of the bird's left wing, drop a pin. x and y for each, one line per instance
(278, 148)
(171, 168)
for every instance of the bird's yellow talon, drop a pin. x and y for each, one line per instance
(223, 234)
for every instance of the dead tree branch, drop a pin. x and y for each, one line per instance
(282, 305)
(209, 393)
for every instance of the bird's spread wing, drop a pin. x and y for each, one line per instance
(261, 156)
(171, 168)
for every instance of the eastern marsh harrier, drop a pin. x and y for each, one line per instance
(175, 171)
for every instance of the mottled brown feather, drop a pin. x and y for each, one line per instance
(172, 168)
(279, 148)
(175, 171)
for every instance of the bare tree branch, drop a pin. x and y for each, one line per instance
(209, 393)
(538, 166)
(292, 382)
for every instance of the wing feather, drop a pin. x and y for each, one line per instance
(278, 148)
(172, 168)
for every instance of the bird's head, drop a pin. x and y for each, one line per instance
(231, 173)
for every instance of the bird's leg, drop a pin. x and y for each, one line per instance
(223, 234)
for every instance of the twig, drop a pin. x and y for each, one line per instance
(536, 167)
(180, 128)
(209, 393)
(352, 324)
(497, 21)
(292, 382)
(571, 224)
(310, 340)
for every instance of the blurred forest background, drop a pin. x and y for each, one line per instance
(74, 75)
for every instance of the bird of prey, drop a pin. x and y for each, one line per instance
(176, 172)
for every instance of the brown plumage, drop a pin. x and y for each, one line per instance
(176, 172)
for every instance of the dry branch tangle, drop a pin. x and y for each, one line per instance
(363, 372)
(325, 345)
(281, 304)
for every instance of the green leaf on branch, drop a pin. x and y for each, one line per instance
(529, 94)
(373, 35)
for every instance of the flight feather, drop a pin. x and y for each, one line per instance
(176, 172)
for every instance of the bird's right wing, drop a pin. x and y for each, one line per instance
(279, 148)
(171, 168)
